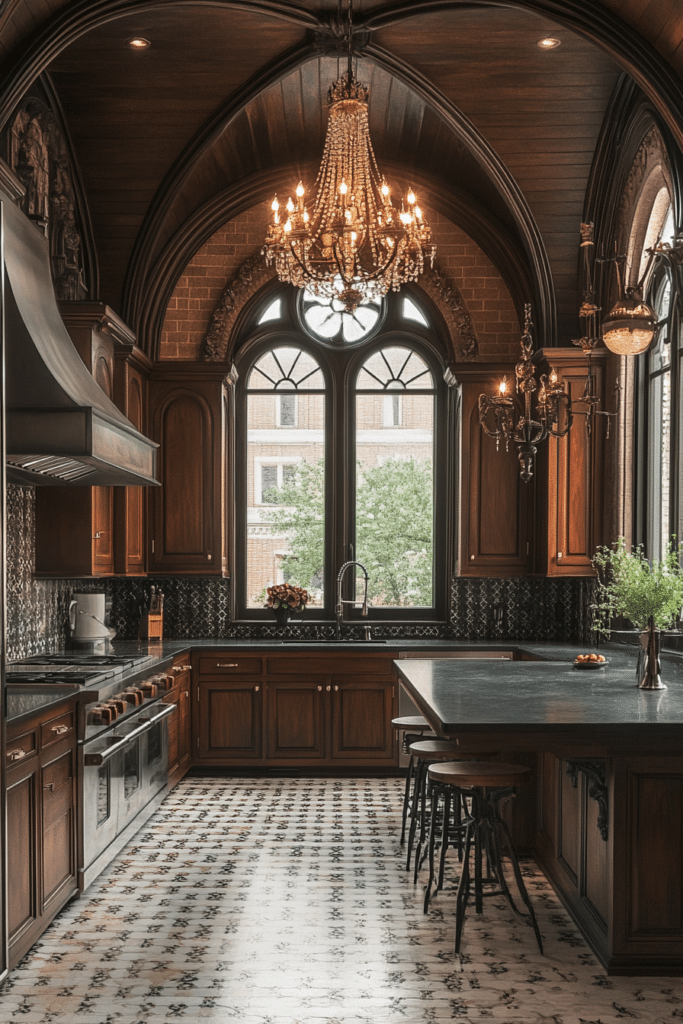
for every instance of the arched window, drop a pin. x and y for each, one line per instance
(658, 509)
(341, 455)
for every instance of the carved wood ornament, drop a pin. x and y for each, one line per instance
(38, 156)
(254, 273)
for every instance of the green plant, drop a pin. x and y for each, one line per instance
(637, 589)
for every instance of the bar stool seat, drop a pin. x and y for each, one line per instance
(487, 783)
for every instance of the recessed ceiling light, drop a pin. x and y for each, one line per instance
(549, 43)
(139, 43)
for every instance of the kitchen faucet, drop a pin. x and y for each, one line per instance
(341, 602)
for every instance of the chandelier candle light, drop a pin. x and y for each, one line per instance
(527, 427)
(353, 245)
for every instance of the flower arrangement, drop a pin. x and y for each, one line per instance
(637, 589)
(287, 597)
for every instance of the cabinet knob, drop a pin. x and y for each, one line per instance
(59, 730)
(256, 689)
(16, 755)
(50, 785)
(320, 689)
(328, 688)
(227, 664)
(96, 536)
(186, 693)
(336, 688)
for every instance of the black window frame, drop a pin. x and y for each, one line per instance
(340, 363)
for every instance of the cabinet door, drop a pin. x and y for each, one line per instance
(361, 713)
(22, 852)
(129, 502)
(230, 720)
(187, 521)
(179, 731)
(296, 718)
(495, 500)
(173, 733)
(58, 805)
(103, 531)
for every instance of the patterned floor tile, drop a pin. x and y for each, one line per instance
(285, 901)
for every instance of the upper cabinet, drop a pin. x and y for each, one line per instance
(571, 470)
(187, 417)
(97, 531)
(495, 503)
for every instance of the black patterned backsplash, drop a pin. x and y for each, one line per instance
(515, 608)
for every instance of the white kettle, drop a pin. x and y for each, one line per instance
(86, 617)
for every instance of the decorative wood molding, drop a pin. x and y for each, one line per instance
(594, 770)
(448, 298)
(246, 281)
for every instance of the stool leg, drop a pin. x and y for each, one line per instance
(445, 835)
(414, 807)
(463, 887)
(500, 827)
(406, 797)
(433, 814)
(421, 848)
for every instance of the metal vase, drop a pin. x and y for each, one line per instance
(650, 641)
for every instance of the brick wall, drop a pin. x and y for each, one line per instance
(200, 287)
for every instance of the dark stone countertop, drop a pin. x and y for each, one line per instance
(550, 705)
(23, 701)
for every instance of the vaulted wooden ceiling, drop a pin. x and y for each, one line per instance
(230, 96)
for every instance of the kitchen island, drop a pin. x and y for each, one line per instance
(608, 815)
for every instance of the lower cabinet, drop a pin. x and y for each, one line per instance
(41, 825)
(180, 723)
(290, 709)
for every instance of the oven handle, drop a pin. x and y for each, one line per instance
(147, 723)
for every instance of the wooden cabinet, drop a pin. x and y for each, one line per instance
(41, 824)
(230, 721)
(299, 708)
(495, 502)
(75, 525)
(180, 723)
(130, 503)
(187, 419)
(571, 473)
(296, 717)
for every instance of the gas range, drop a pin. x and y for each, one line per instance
(120, 684)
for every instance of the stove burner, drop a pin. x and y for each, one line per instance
(48, 677)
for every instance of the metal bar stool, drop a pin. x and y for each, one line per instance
(413, 727)
(487, 784)
(425, 752)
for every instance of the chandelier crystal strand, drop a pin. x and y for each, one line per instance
(355, 245)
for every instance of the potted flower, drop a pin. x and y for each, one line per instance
(649, 594)
(283, 598)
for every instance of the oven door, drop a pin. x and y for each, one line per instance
(123, 770)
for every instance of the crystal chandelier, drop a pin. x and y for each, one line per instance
(353, 245)
(503, 416)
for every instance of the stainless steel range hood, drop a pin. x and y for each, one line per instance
(61, 427)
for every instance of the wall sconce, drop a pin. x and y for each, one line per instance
(503, 416)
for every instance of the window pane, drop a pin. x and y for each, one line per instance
(396, 368)
(395, 498)
(272, 312)
(413, 312)
(285, 494)
(286, 368)
(287, 405)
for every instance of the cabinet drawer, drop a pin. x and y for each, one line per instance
(21, 748)
(57, 729)
(333, 664)
(222, 664)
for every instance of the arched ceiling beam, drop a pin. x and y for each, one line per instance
(185, 163)
(542, 295)
(595, 22)
(498, 245)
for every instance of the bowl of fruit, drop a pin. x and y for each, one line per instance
(590, 661)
